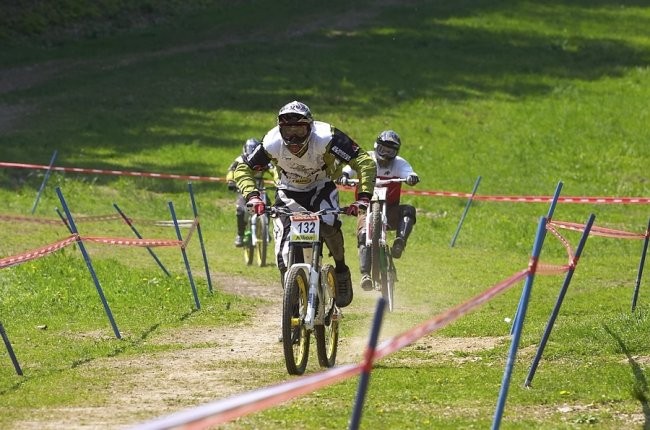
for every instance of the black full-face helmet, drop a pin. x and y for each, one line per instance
(387, 145)
(249, 145)
(295, 122)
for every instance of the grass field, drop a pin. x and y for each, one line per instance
(524, 94)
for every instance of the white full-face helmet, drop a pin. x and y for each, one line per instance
(295, 122)
(387, 145)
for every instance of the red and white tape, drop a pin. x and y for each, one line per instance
(496, 198)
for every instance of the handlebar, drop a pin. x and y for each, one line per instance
(378, 182)
(283, 210)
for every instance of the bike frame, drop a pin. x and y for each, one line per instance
(310, 243)
(309, 297)
(252, 222)
(378, 195)
(256, 242)
(383, 271)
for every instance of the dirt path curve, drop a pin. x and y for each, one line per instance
(214, 363)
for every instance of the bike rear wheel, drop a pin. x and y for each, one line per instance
(375, 236)
(249, 250)
(327, 335)
(262, 241)
(295, 336)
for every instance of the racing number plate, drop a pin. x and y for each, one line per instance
(304, 228)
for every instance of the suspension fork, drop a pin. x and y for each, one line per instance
(313, 296)
(384, 223)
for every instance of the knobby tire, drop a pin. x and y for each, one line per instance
(295, 336)
(327, 335)
(262, 232)
(375, 227)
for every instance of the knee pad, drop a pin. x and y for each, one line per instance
(408, 211)
(333, 238)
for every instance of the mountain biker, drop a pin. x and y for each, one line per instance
(401, 217)
(308, 155)
(240, 202)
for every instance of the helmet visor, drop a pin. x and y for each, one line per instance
(385, 152)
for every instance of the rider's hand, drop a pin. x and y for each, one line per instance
(232, 186)
(354, 208)
(412, 179)
(255, 205)
(343, 179)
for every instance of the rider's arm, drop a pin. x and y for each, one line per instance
(366, 170)
(348, 152)
(230, 175)
(402, 168)
(258, 160)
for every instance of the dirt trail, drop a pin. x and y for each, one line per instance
(203, 371)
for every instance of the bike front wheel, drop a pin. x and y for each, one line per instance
(327, 335)
(262, 241)
(295, 336)
(375, 236)
(388, 279)
(249, 252)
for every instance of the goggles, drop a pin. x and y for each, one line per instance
(384, 151)
(293, 131)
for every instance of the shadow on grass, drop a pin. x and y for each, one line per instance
(640, 389)
(209, 97)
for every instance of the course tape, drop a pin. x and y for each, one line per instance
(48, 249)
(30, 219)
(148, 243)
(514, 199)
(37, 253)
(599, 231)
(112, 172)
(183, 223)
(225, 410)
(400, 341)
(550, 227)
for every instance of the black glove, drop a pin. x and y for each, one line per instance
(412, 179)
(343, 179)
(232, 185)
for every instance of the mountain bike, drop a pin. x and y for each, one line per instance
(257, 235)
(383, 271)
(309, 294)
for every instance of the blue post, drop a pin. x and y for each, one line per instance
(364, 379)
(10, 350)
(549, 217)
(45, 178)
(641, 264)
(187, 262)
(556, 196)
(519, 322)
(65, 221)
(558, 303)
(135, 231)
(82, 248)
(467, 205)
(198, 230)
